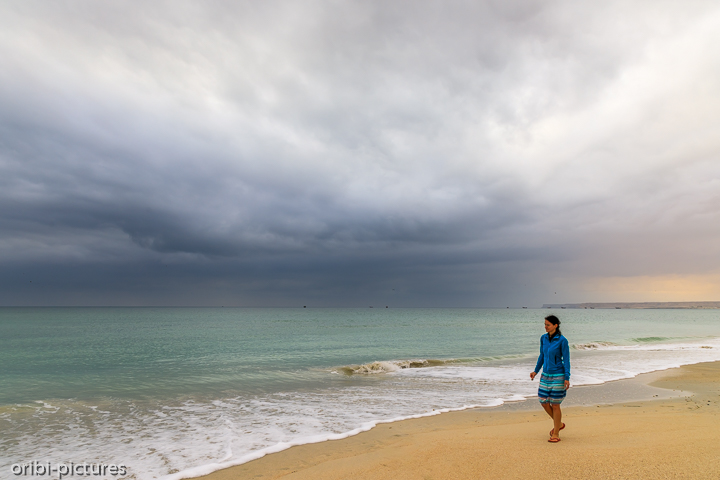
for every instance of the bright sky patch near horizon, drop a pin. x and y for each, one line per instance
(328, 153)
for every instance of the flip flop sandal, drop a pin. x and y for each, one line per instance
(554, 440)
(563, 426)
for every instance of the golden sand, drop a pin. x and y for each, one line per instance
(677, 438)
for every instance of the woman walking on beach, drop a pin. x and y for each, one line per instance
(554, 360)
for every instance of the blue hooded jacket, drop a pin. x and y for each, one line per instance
(554, 356)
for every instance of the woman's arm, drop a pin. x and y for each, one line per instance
(566, 359)
(541, 360)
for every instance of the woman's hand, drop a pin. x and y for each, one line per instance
(567, 384)
(532, 375)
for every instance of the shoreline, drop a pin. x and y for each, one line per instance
(388, 449)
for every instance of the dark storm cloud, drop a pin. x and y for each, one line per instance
(462, 153)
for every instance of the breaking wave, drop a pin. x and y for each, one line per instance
(388, 366)
(650, 339)
(594, 345)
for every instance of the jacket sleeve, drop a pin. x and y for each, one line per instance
(566, 358)
(541, 358)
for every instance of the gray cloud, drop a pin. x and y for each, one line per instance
(469, 153)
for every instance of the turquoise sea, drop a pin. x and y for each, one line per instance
(178, 392)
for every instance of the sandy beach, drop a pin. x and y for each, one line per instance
(673, 433)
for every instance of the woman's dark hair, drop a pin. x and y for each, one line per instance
(555, 321)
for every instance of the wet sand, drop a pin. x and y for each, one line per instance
(664, 425)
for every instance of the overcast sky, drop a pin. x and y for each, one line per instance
(328, 153)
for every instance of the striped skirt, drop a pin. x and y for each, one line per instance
(552, 388)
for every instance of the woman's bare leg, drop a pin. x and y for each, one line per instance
(557, 420)
(548, 409)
